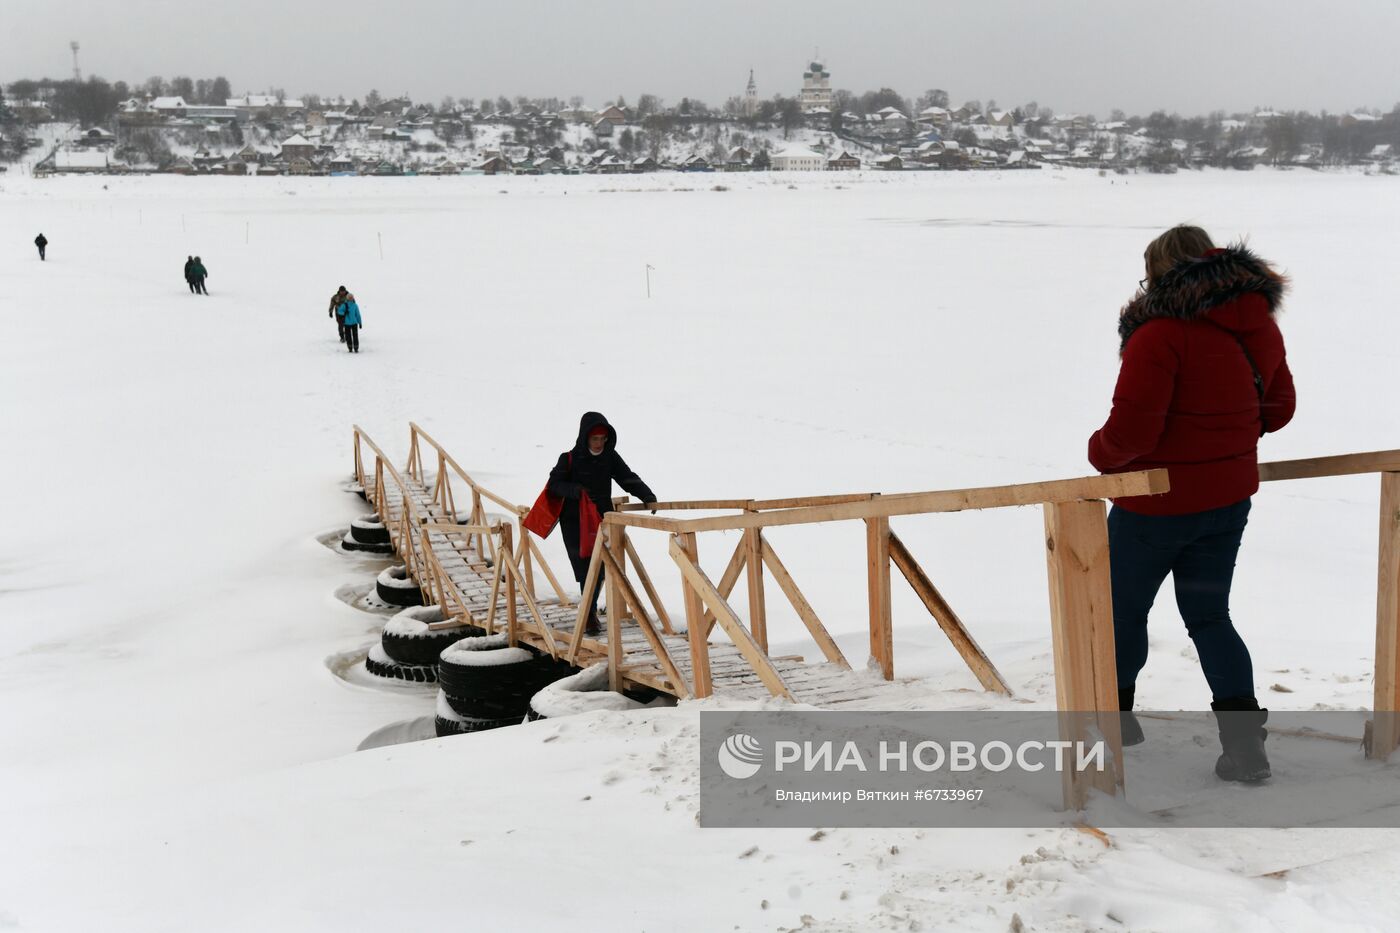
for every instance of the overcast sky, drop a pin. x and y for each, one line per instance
(1091, 56)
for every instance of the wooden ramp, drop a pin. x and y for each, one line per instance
(465, 577)
(482, 569)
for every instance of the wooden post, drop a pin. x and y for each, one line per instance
(701, 684)
(1081, 623)
(1385, 730)
(613, 534)
(490, 624)
(438, 497)
(526, 558)
(877, 558)
(381, 499)
(477, 519)
(972, 653)
(415, 462)
(511, 634)
(753, 574)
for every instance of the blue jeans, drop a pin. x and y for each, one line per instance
(1198, 550)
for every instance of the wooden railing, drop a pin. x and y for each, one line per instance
(377, 495)
(492, 542)
(1383, 731)
(529, 551)
(1081, 613)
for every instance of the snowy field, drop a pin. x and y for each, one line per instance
(177, 751)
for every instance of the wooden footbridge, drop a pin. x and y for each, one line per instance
(483, 569)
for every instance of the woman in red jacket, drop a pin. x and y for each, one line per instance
(1203, 377)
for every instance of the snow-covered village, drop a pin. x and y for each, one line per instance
(188, 127)
(781, 468)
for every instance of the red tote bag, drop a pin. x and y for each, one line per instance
(588, 522)
(544, 514)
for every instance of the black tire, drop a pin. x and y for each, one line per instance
(500, 686)
(396, 588)
(446, 727)
(381, 665)
(369, 529)
(350, 544)
(408, 640)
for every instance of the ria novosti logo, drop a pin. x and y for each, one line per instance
(741, 756)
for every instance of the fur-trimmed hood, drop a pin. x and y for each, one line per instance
(1195, 287)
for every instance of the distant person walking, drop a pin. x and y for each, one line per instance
(197, 276)
(350, 309)
(1203, 377)
(189, 276)
(42, 242)
(337, 301)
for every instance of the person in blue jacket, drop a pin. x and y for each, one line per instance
(353, 322)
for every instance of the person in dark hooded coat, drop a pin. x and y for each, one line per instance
(189, 276)
(42, 242)
(1204, 375)
(590, 469)
(197, 276)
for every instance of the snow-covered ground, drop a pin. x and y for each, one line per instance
(178, 751)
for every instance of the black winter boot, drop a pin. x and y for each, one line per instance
(1242, 735)
(1128, 725)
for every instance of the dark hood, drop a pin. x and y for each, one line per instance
(1195, 288)
(588, 422)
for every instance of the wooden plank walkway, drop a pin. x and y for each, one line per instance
(472, 575)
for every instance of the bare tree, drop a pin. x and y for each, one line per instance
(934, 97)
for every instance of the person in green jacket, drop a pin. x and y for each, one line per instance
(197, 276)
(337, 310)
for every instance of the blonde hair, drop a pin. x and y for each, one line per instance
(1178, 243)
